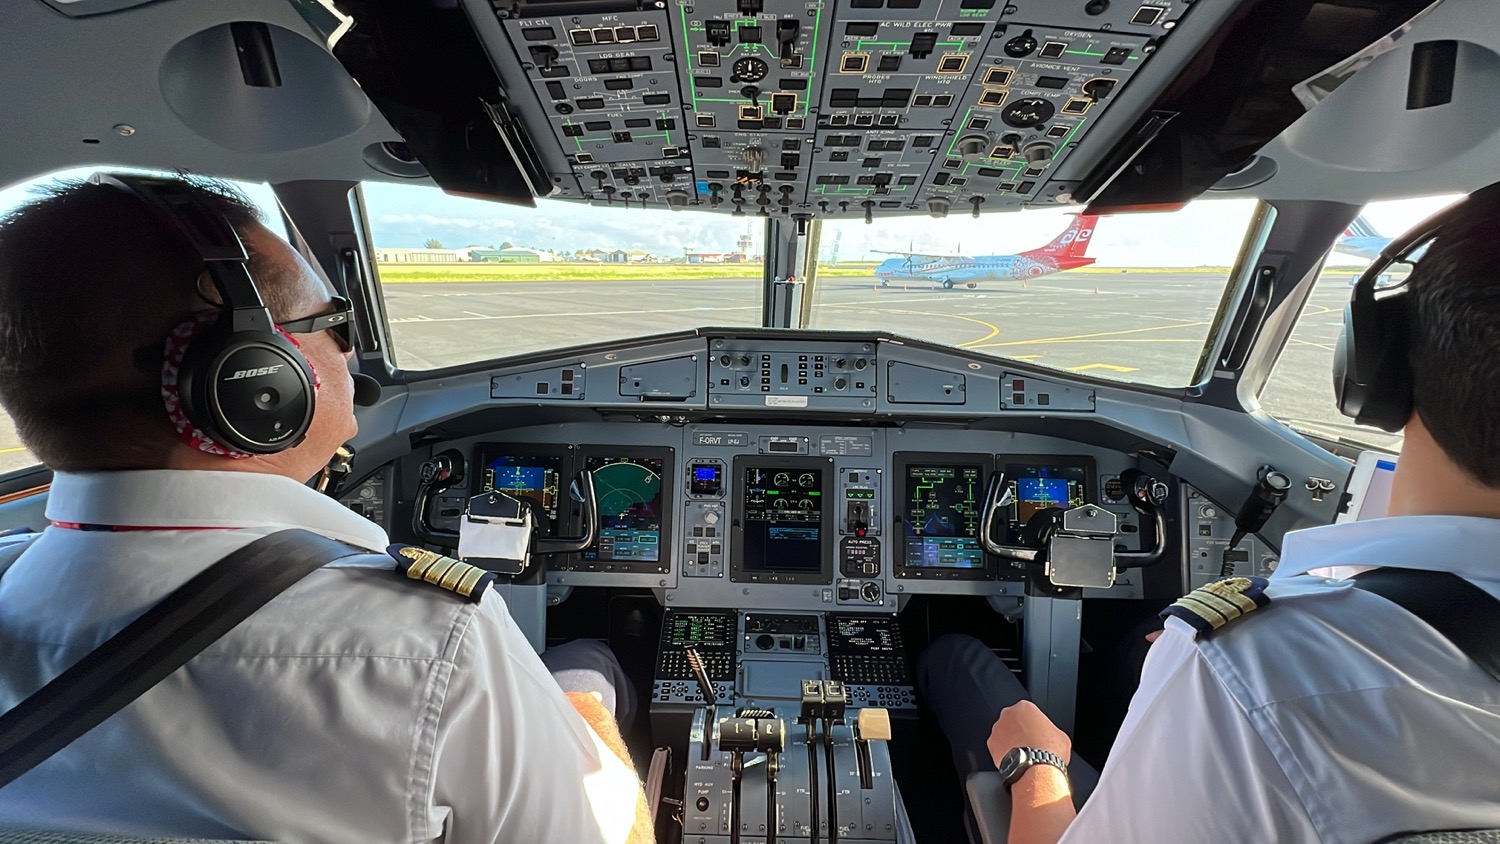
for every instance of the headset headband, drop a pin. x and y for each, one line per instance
(211, 236)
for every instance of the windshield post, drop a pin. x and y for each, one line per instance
(810, 245)
(781, 264)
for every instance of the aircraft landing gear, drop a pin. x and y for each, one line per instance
(885, 284)
(947, 284)
(973, 285)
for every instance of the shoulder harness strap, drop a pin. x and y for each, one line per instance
(1214, 605)
(444, 572)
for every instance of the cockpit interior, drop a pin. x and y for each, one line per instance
(768, 486)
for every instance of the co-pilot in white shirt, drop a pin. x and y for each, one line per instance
(1330, 715)
(357, 706)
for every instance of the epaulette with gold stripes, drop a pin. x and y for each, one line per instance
(446, 572)
(1214, 605)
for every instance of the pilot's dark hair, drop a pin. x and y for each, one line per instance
(1455, 347)
(91, 283)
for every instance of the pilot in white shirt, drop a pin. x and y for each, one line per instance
(358, 705)
(1326, 713)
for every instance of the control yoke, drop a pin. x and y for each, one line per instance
(1076, 548)
(499, 532)
(437, 475)
(1148, 497)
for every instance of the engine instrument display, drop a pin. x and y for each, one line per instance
(785, 523)
(942, 516)
(631, 504)
(1035, 488)
(534, 479)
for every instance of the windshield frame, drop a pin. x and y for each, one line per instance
(783, 258)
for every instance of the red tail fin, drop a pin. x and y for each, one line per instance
(1073, 242)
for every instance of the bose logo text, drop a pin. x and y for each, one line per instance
(252, 373)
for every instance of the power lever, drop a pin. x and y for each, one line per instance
(874, 724)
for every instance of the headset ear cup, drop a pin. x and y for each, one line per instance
(1371, 370)
(251, 392)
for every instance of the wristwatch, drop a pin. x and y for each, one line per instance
(1020, 759)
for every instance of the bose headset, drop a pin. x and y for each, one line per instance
(1372, 379)
(242, 381)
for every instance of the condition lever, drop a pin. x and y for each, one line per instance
(1271, 488)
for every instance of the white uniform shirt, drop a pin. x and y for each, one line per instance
(1330, 715)
(356, 706)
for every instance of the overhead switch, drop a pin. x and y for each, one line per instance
(938, 206)
(677, 199)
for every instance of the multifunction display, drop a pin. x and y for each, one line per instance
(942, 516)
(785, 523)
(629, 490)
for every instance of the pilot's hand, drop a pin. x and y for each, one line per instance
(1154, 635)
(1024, 725)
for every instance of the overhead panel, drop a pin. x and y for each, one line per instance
(609, 85)
(750, 72)
(828, 108)
(1036, 91)
(897, 72)
(1143, 17)
(857, 170)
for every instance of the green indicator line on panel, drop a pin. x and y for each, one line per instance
(961, 124)
(812, 61)
(1068, 137)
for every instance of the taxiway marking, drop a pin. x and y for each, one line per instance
(1111, 367)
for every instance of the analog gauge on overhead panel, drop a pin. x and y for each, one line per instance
(749, 69)
(1027, 112)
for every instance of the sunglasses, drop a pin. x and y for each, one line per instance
(335, 323)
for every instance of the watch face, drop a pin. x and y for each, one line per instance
(1012, 762)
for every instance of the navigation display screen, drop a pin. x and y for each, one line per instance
(533, 479)
(942, 516)
(1037, 488)
(783, 525)
(630, 508)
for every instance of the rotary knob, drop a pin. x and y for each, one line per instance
(1037, 153)
(972, 147)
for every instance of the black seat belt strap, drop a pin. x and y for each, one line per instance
(153, 646)
(1464, 614)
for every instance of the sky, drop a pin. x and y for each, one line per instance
(1206, 232)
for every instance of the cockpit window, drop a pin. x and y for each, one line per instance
(1300, 389)
(14, 455)
(1129, 297)
(466, 280)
